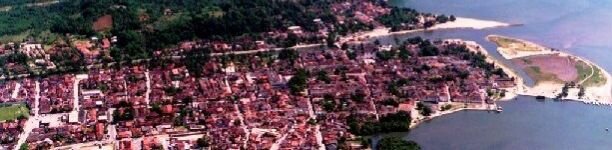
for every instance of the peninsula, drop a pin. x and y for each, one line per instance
(556, 74)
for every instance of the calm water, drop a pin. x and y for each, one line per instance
(525, 124)
(580, 27)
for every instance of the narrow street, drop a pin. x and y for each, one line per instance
(33, 121)
(148, 92)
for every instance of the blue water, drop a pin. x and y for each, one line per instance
(525, 124)
(580, 27)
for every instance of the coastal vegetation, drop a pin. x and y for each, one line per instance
(13, 111)
(597, 78)
(395, 122)
(589, 75)
(513, 44)
(396, 143)
(424, 109)
(398, 18)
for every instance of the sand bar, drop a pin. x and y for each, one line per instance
(460, 22)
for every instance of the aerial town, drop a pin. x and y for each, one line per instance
(244, 94)
(250, 102)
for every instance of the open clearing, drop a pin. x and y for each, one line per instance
(551, 68)
(103, 23)
(13, 111)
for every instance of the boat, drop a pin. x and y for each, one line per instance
(499, 109)
(540, 97)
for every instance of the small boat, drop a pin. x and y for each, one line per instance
(540, 97)
(607, 130)
(499, 109)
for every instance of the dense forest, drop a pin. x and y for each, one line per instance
(155, 24)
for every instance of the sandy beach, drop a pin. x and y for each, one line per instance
(460, 22)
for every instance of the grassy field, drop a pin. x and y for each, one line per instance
(538, 76)
(597, 79)
(583, 69)
(14, 37)
(12, 112)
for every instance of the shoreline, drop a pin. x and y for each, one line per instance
(460, 22)
(417, 121)
(548, 90)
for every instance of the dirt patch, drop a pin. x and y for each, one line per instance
(541, 67)
(103, 23)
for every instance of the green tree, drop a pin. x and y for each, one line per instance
(298, 82)
(331, 40)
(442, 19)
(203, 142)
(288, 54)
(196, 59)
(322, 76)
(424, 109)
(581, 92)
(24, 146)
(396, 143)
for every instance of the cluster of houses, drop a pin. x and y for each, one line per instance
(95, 47)
(9, 131)
(14, 93)
(246, 103)
(364, 11)
(56, 94)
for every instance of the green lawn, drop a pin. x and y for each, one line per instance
(12, 112)
(583, 69)
(15, 37)
(597, 79)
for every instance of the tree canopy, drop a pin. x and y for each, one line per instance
(395, 143)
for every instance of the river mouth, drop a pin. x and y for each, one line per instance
(525, 123)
